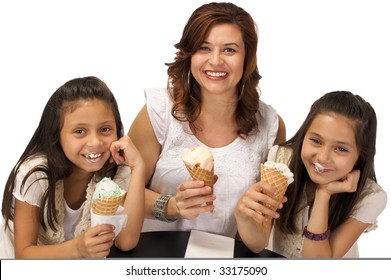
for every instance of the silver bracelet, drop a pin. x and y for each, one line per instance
(159, 206)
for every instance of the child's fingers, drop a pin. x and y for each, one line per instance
(116, 150)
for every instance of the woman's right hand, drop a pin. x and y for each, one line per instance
(191, 199)
(96, 241)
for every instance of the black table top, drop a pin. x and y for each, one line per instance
(173, 244)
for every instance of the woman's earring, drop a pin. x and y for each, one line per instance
(241, 93)
(188, 81)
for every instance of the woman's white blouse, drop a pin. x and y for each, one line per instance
(236, 165)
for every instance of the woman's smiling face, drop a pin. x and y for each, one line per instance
(218, 64)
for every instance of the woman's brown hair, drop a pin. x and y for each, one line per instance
(184, 89)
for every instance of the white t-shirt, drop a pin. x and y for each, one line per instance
(236, 165)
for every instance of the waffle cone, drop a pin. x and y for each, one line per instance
(106, 206)
(275, 178)
(199, 174)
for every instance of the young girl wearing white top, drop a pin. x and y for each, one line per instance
(334, 197)
(47, 198)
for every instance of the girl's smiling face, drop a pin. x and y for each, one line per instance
(218, 64)
(329, 150)
(87, 133)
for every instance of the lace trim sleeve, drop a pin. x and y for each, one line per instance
(371, 206)
(279, 154)
(159, 109)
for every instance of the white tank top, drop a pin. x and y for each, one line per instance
(71, 219)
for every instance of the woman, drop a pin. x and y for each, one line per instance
(211, 100)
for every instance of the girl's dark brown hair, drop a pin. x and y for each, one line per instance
(355, 108)
(182, 85)
(45, 142)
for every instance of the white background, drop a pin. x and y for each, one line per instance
(306, 48)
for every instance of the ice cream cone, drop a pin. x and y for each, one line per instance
(278, 180)
(275, 178)
(106, 206)
(200, 164)
(200, 174)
